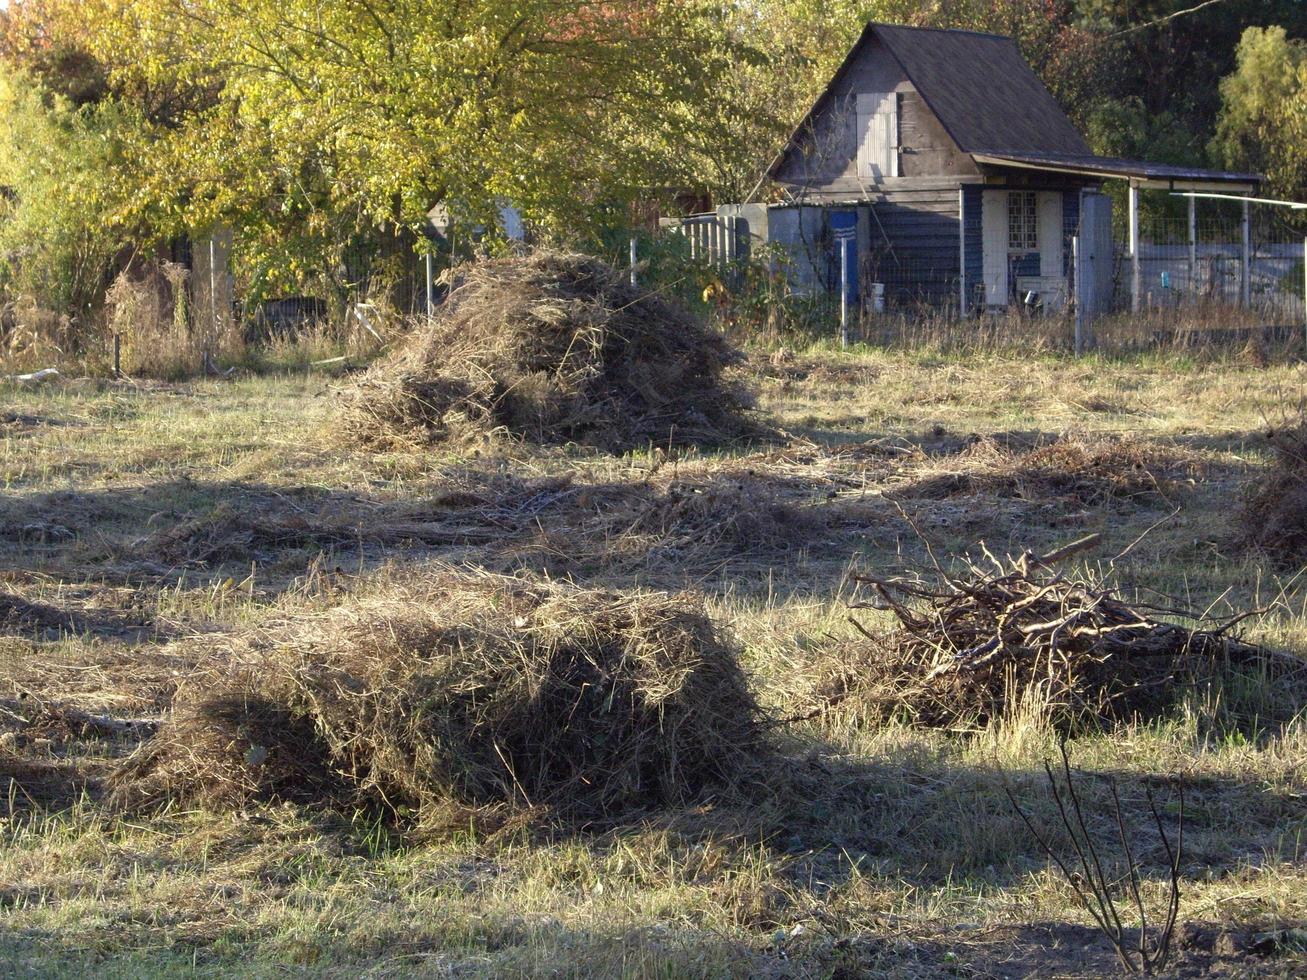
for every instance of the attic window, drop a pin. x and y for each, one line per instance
(1022, 222)
(878, 135)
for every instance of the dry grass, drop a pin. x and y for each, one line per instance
(179, 527)
(1078, 467)
(551, 348)
(160, 338)
(465, 693)
(1274, 515)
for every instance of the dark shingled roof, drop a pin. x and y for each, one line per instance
(982, 90)
(978, 85)
(994, 106)
(1115, 167)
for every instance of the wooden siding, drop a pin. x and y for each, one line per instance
(913, 246)
(822, 162)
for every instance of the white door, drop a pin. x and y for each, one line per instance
(994, 240)
(1050, 234)
(878, 135)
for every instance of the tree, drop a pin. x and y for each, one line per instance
(380, 109)
(60, 226)
(1263, 122)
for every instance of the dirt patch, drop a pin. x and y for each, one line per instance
(22, 424)
(552, 348)
(1054, 949)
(488, 693)
(18, 615)
(24, 617)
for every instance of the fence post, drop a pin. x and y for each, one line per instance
(962, 252)
(633, 259)
(1193, 245)
(1134, 248)
(1079, 295)
(844, 293)
(431, 299)
(1246, 290)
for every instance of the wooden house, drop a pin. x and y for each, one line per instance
(941, 169)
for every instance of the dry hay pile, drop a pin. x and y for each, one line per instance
(982, 646)
(1086, 469)
(552, 348)
(1274, 514)
(482, 693)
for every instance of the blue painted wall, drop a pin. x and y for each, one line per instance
(974, 238)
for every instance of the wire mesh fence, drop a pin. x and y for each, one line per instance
(1193, 279)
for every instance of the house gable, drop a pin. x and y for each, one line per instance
(827, 158)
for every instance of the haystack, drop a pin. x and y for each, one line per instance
(1274, 513)
(483, 692)
(552, 348)
(976, 647)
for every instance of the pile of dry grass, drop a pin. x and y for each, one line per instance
(981, 646)
(482, 692)
(1274, 513)
(552, 348)
(1087, 469)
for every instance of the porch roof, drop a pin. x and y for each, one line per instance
(1139, 172)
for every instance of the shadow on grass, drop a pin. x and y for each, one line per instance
(675, 527)
(790, 881)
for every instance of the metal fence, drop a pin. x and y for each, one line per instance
(1179, 269)
(1190, 273)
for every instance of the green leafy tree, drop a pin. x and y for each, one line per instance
(62, 219)
(380, 109)
(1263, 122)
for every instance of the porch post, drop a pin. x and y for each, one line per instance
(1246, 278)
(1193, 245)
(1077, 296)
(962, 252)
(1135, 283)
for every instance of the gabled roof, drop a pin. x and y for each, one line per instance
(978, 85)
(982, 90)
(995, 108)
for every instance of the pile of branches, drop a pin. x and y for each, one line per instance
(987, 644)
(465, 695)
(1274, 515)
(552, 348)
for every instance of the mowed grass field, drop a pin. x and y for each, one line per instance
(142, 525)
